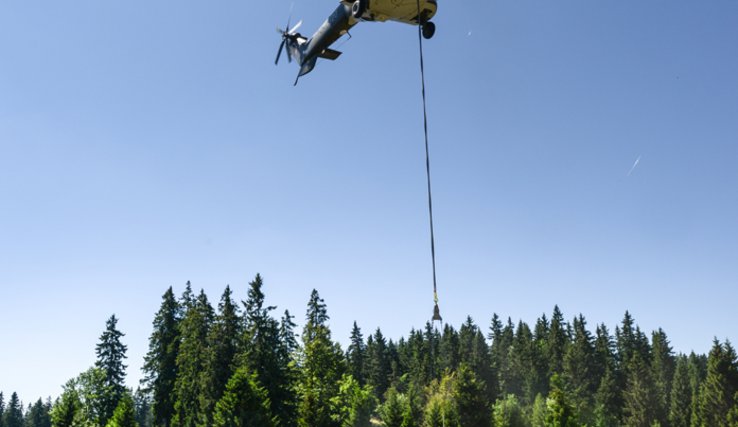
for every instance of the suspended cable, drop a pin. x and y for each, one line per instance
(436, 311)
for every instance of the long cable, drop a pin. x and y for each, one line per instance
(427, 160)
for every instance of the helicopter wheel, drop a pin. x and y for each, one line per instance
(429, 29)
(358, 8)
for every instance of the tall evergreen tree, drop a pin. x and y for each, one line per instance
(160, 363)
(469, 395)
(223, 344)
(355, 355)
(377, 364)
(640, 397)
(244, 404)
(124, 414)
(262, 344)
(579, 372)
(142, 408)
(717, 394)
(449, 352)
(322, 368)
(110, 355)
(680, 399)
(191, 361)
(662, 371)
(557, 341)
(13, 415)
(38, 415)
(560, 412)
(2, 409)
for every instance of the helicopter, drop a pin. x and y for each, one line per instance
(306, 51)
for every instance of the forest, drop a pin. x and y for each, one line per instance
(244, 365)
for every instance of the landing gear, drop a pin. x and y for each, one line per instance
(429, 29)
(358, 8)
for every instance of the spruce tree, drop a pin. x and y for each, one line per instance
(469, 395)
(680, 400)
(717, 394)
(356, 354)
(223, 344)
(557, 341)
(560, 412)
(38, 415)
(110, 355)
(508, 412)
(579, 373)
(189, 389)
(662, 371)
(322, 368)
(13, 414)
(142, 408)
(377, 364)
(449, 352)
(244, 404)
(640, 396)
(262, 354)
(2, 409)
(160, 363)
(124, 414)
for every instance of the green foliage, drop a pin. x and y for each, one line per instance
(191, 361)
(392, 410)
(717, 394)
(680, 400)
(377, 364)
(354, 404)
(245, 403)
(110, 355)
(662, 372)
(507, 412)
(560, 411)
(469, 395)
(539, 413)
(640, 394)
(160, 363)
(38, 415)
(355, 355)
(124, 414)
(13, 413)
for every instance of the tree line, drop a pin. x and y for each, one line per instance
(241, 365)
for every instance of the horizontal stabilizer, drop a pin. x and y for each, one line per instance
(330, 54)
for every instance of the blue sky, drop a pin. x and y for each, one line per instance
(146, 144)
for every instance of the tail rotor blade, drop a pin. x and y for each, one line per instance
(292, 31)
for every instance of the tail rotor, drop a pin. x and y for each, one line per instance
(287, 35)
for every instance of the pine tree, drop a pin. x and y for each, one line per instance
(640, 397)
(67, 407)
(13, 414)
(38, 415)
(223, 344)
(354, 404)
(322, 368)
(475, 353)
(662, 371)
(391, 411)
(191, 361)
(245, 403)
(557, 341)
(579, 363)
(160, 363)
(142, 408)
(110, 355)
(355, 355)
(680, 400)
(124, 414)
(469, 395)
(2, 409)
(717, 394)
(449, 352)
(507, 412)
(265, 354)
(377, 364)
(559, 410)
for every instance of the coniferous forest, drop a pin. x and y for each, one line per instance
(242, 364)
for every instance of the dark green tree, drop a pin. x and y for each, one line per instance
(142, 408)
(223, 340)
(680, 400)
(266, 354)
(160, 363)
(448, 348)
(322, 368)
(2, 409)
(13, 414)
(640, 395)
(560, 411)
(377, 364)
(67, 408)
(110, 355)
(662, 371)
(717, 394)
(124, 414)
(470, 397)
(558, 339)
(356, 354)
(475, 353)
(38, 415)
(192, 357)
(245, 403)
(579, 370)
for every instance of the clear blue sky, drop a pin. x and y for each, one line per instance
(144, 144)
